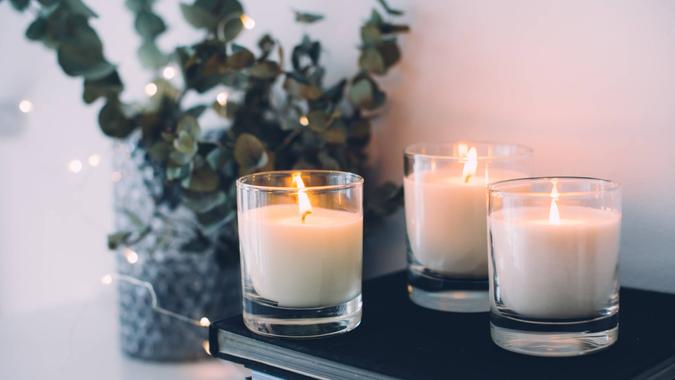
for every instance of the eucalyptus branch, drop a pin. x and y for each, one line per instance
(322, 127)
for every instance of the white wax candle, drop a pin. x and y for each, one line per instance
(302, 264)
(551, 270)
(445, 218)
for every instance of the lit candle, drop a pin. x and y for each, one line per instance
(445, 212)
(557, 263)
(300, 255)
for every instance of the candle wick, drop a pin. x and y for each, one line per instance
(304, 215)
(467, 178)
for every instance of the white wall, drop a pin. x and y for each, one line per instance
(588, 84)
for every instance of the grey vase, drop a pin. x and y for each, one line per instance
(192, 284)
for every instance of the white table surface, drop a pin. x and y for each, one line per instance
(80, 341)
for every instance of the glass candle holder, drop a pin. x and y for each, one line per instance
(445, 209)
(301, 239)
(554, 249)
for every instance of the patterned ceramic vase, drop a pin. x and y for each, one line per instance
(192, 283)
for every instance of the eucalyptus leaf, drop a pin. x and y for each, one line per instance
(390, 53)
(364, 93)
(139, 5)
(79, 8)
(202, 180)
(175, 172)
(20, 5)
(198, 17)
(81, 53)
(307, 49)
(266, 44)
(150, 55)
(185, 143)
(149, 25)
(249, 151)
(229, 29)
(301, 90)
(240, 58)
(372, 61)
(319, 121)
(387, 28)
(108, 86)
(113, 121)
(189, 125)
(371, 33)
(118, 239)
(265, 70)
(37, 29)
(307, 18)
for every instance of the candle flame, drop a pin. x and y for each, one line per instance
(471, 163)
(554, 213)
(304, 205)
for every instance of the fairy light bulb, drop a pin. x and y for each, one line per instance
(151, 89)
(75, 166)
(204, 322)
(221, 98)
(94, 160)
(107, 279)
(247, 21)
(169, 72)
(131, 256)
(304, 121)
(25, 106)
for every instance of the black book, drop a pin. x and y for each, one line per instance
(398, 339)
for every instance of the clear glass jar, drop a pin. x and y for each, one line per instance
(445, 209)
(301, 239)
(554, 250)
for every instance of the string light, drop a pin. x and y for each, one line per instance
(94, 160)
(304, 121)
(169, 72)
(25, 106)
(247, 21)
(75, 166)
(221, 98)
(116, 176)
(151, 89)
(109, 278)
(130, 255)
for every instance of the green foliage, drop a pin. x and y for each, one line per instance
(283, 115)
